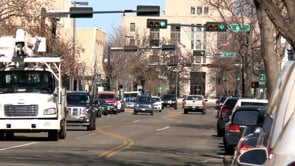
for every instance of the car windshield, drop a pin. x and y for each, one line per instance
(245, 118)
(156, 99)
(144, 99)
(106, 96)
(78, 98)
(168, 97)
(26, 81)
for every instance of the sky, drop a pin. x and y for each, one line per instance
(108, 21)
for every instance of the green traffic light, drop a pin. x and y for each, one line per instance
(221, 26)
(162, 23)
(238, 78)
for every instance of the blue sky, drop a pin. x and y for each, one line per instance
(109, 21)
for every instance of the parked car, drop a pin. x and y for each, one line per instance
(280, 110)
(283, 153)
(144, 104)
(248, 115)
(81, 110)
(225, 111)
(169, 100)
(194, 103)
(157, 103)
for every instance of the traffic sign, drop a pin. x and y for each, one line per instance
(238, 28)
(262, 79)
(228, 54)
(160, 90)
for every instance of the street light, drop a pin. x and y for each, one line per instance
(74, 39)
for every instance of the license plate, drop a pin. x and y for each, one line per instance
(194, 107)
(143, 109)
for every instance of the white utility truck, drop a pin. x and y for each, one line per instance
(32, 98)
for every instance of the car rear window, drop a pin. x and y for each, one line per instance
(106, 96)
(230, 103)
(245, 118)
(194, 98)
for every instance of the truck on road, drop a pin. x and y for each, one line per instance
(32, 98)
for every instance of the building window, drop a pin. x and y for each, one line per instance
(206, 10)
(132, 27)
(199, 10)
(198, 44)
(193, 10)
(192, 36)
(221, 38)
(154, 37)
(175, 34)
(132, 42)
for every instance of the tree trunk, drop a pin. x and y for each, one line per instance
(267, 48)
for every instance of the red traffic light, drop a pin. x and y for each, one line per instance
(254, 84)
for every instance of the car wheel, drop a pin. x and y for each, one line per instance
(204, 112)
(185, 111)
(134, 112)
(152, 113)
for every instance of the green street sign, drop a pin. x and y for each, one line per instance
(160, 90)
(262, 79)
(227, 54)
(238, 28)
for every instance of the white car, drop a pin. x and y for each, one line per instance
(157, 103)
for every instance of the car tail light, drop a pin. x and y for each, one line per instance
(203, 103)
(243, 147)
(223, 111)
(234, 128)
(184, 103)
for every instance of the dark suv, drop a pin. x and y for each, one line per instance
(169, 100)
(81, 110)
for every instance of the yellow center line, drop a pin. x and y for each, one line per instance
(126, 143)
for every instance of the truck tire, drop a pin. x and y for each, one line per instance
(62, 132)
(53, 135)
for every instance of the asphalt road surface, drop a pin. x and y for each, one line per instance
(166, 138)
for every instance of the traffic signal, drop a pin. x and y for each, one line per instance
(81, 12)
(198, 52)
(215, 27)
(254, 84)
(157, 23)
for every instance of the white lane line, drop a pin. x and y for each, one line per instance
(136, 121)
(18, 146)
(164, 128)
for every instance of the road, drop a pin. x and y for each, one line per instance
(166, 138)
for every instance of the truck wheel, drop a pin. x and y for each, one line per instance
(53, 135)
(62, 132)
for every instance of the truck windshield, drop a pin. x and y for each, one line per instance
(26, 82)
